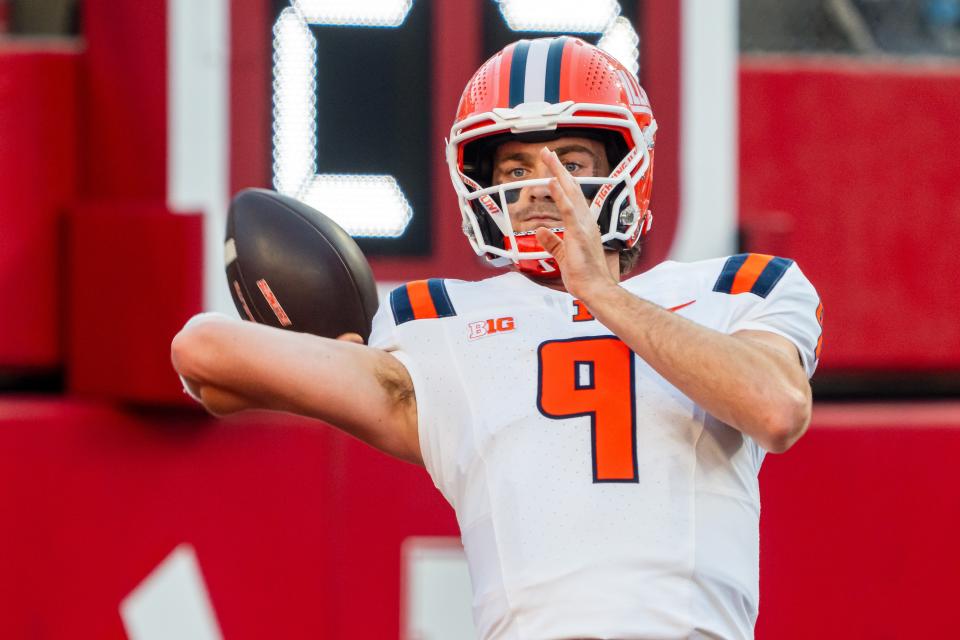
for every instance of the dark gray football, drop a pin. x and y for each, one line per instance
(292, 267)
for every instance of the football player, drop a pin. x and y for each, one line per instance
(598, 437)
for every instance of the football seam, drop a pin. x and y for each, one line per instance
(356, 289)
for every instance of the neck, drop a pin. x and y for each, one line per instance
(555, 283)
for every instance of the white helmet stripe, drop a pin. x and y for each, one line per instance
(534, 81)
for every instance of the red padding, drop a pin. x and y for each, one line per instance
(859, 527)
(124, 100)
(297, 528)
(850, 169)
(38, 148)
(135, 277)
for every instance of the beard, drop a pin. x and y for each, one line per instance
(520, 217)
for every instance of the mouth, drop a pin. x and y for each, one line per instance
(541, 222)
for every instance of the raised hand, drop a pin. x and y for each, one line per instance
(579, 254)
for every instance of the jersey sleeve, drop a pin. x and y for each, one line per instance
(791, 309)
(422, 349)
(383, 333)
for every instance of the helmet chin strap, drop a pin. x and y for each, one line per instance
(546, 268)
(527, 243)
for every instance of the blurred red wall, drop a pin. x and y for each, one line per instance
(849, 168)
(297, 528)
(38, 167)
(845, 167)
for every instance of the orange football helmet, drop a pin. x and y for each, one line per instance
(538, 90)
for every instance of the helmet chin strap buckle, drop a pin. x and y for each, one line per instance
(541, 267)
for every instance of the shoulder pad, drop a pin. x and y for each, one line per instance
(754, 273)
(420, 300)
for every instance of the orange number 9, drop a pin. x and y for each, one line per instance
(594, 377)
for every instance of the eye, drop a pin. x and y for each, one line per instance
(516, 172)
(572, 167)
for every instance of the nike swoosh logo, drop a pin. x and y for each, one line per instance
(681, 306)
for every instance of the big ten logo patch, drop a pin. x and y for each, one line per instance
(483, 328)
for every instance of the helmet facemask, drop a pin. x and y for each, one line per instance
(613, 199)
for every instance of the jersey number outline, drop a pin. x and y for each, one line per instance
(593, 376)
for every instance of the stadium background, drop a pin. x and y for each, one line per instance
(126, 125)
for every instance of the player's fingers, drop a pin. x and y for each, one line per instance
(566, 181)
(567, 210)
(351, 337)
(550, 241)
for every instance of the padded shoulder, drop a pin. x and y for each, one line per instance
(421, 300)
(754, 273)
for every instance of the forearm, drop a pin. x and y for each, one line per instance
(747, 384)
(222, 403)
(265, 367)
(240, 365)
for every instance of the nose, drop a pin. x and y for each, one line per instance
(540, 192)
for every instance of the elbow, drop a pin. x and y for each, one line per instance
(219, 403)
(786, 423)
(184, 351)
(190, 348)
(180, 352)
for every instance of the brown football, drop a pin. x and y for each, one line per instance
(292, 267)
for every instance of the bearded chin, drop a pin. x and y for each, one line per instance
(536, 210)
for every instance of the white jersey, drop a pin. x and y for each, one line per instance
(594, 499)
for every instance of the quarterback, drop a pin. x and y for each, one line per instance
(598, 437)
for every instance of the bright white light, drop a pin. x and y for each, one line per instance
(578, 16)
(364, 205)
(294, 103)
(621, 41)
(355, 13)
(571, 16)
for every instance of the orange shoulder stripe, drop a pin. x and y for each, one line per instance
(749, 272)
(420, 300)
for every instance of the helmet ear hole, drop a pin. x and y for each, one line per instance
(606, 212)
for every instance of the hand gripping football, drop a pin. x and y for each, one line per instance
(292, 267)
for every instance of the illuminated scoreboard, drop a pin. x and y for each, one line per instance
(353, 122)
(351, 116)
(607, 23)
